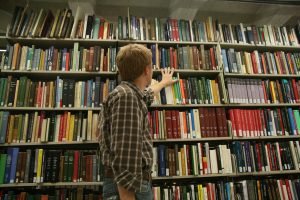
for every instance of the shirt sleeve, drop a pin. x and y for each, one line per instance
(148, 96)
(126, 142)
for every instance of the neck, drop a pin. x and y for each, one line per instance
(140, 83)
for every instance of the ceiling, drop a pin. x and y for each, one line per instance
(261, 12)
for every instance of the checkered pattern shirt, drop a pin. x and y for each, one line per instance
(125, 140)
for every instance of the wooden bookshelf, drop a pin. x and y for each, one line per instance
(46, 144)
(12, 185)
(188, 72)
(263, 76)
(179, 140)
(263, 105)
(48, 109)
(186, 105)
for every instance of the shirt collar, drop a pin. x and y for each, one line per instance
(135, 88)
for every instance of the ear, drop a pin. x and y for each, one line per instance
(147, 70)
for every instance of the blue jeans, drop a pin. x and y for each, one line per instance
(110, 191)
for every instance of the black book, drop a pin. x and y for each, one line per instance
(71, 93)
(11, 93)
(97, 92)
(65, 93)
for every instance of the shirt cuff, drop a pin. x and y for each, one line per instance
(148, 96)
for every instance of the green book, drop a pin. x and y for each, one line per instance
(297, 118)
(3, 158)
(70, 166)
(66, 168)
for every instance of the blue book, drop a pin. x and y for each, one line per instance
(161, 160)
(292, 121)
(193, 124)
(8, 165)
(13, 167)
(3, 126)
(163, 58)
(225, 61)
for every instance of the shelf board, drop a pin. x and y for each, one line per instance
(57, 73)
(226, 75)
(27, 144)
(60, 41)
(262, 105)
(287, 137)
(48, 109)
(158, 178)
(186, 105)
(192, 140)
(192, 72)
(165, 43)
(261, 47)
(50, 184)
(276, 173)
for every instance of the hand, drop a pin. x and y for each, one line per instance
(167, 77)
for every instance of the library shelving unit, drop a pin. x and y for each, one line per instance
(220, 127)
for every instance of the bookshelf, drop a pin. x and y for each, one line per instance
(158, 44)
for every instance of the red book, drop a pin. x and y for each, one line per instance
(188, 160)
(214, 123)
(157, 123)
(264, 65)
(75, 166)
(288, 188)
(175, 59)
(280, 121)
(91, 59)
(212, 58)
(237, 117)
(294, 86)
(174, 124)
(42, 117)
(176, 29)
(232, 119)
(61, 125)
(219, 122)
(65, 125)
(202, 122)
(178, 124)
(290, 63)
(150, 125)
(171, 57)
(67, 61)
(259, 120)
(257, 151)
(254, 65)
(265, 93)
(269, 157)
(101, 29)
(168, 118)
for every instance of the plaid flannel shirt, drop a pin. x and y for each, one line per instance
(125, 141)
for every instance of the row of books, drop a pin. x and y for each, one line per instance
(263, 91)
(266, 156)
(264, 122)
(27, 22)
(96, 58)
(194, 123)
(288, 189)
(238, 157)
(189, 57)
(40, 165)
(243, 62)
(260, 35)
(168, 29)
(192, 90)
(79, 193)
(19, 92)
(52, 127)
(196, 159)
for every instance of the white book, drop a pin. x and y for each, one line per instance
(279, 189)
(206, 146)
(78, 16)
(221, 32)
(191, 31)
(185, 160)
(293, 152)
(197, 123)
(199, 147)
(85, 25)
(284, 192)
(141, 28)
(245, 191)
(89, 125)
(243, 33)
(23, 139)
(57, 125)
(271, 35)
(286, 37)
(266, 34)
(154, 165)
(43, 131)
(213, 161)
(180, 163)
(195, 158)
(84, 133)
(47, 129)
(268, 158)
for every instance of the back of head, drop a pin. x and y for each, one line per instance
(132, 60)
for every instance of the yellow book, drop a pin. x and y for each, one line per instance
(200, 192)
(39, 178)
(183, 162)
(273, 92)
(34, 126)
(11, 128)
(89, 125)
(42, 58)
(277, 62)
(71, 131)
(16, 94)
(67, 127)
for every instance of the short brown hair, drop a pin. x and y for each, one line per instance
(132, 60)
